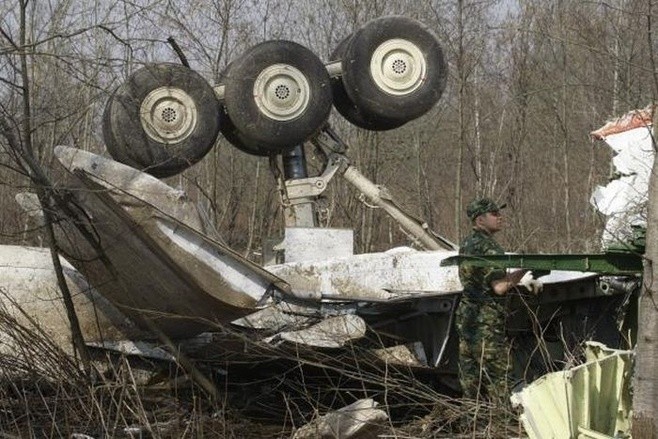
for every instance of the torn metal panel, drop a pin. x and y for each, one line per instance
(30, 293)
(624, 199)
(157, 264)
(371, 276)
(594, 397)
(360, 419)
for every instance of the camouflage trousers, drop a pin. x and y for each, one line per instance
(484, 367)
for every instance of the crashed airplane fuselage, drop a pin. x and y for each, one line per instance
(153, 272)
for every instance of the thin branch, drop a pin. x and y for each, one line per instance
(174, 45)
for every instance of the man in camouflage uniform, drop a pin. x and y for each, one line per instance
(483, 351)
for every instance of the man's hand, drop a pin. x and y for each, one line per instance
(502, 286)
(530, 283)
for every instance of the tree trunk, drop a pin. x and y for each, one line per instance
(44, 190)
(645, 380)
(457, 214)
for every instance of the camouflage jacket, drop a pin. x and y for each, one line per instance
(477, 280)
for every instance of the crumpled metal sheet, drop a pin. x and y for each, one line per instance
(589, 400)
(274, 318)
(333, 332)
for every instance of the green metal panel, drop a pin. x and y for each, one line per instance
(611, 263)
(592, 400)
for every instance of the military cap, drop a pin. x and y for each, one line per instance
(480, 206)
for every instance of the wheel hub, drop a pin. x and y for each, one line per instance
(168, 115)
(398, 67)
(281, 92)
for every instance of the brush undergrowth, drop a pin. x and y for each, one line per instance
(44, 393)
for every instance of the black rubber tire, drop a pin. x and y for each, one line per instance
(231, 133)
(347, 108)
(272, 135)
(238, 139)
(126, 138)
(362, 88)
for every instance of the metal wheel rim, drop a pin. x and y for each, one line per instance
(398, 67)
(168, 115)
(282, 92)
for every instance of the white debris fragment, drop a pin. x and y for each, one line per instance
(360, 418)
(624, 199)
(29, 293)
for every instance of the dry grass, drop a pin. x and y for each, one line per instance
(45, 394)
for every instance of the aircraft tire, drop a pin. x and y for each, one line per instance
(162, 120)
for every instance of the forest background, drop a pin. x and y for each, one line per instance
(527, 82)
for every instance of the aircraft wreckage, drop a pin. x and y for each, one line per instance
(150, 280)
